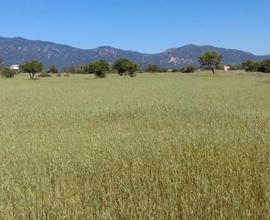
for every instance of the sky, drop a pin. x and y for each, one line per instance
(148, 26)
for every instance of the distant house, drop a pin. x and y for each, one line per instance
(227, 68)
(14, 67)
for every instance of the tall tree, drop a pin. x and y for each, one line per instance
(211, 60)
(31, 68)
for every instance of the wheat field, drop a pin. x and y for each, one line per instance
(157, 146)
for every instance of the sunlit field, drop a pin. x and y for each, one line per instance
(157, 146)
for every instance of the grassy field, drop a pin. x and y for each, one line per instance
(157, 146)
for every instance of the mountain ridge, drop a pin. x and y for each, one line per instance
(18, 50)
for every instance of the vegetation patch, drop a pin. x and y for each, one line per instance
(163, 146)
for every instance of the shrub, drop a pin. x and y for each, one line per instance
(163, 70)
(250, 66)
(132, 68)
(189, 69)
(152, 68)
(125, 66)
(99, 68)
(8, 73)
(262, 66)
(121, 66)
(44, 75)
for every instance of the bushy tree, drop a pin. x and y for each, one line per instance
(8, 73)
(252, 66)
(121, 66)
(91, 68)
(99, 68)
(125, 66)
(132, 68)
(152, 68)
(210, 60)
(31, 68)
(53, 69)
(189, 69)
(264, 66)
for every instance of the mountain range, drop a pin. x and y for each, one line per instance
(18, 50)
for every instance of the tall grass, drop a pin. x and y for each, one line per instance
(165, 146)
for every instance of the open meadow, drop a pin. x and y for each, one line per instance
(156, 146)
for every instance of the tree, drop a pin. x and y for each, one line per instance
(121, 65)
(99, 68)
(250, 66)
(189, 69)
(8, 73)
(132, 68)
(53, 69)
(31, 68)
(125, 66)
(152, 68)
(90, 68)
(264, 66)
(211, 60)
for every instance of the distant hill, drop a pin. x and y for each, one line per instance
(18, 50)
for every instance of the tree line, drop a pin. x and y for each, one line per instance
(101, 68)
(209, 60)
(260, 66)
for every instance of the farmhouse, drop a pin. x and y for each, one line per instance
(14, 67)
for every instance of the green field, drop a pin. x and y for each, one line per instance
(157, 146)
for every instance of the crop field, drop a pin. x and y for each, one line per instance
(156, 146)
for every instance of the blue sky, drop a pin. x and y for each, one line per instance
(142, 25)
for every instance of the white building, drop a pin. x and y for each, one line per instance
(14, 67)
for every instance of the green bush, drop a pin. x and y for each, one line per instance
(152, 68)
(8, 73)
(262, 66)
(132, 68)
(125, 66)
(99, 68)
(45, 75)
(189, 69)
